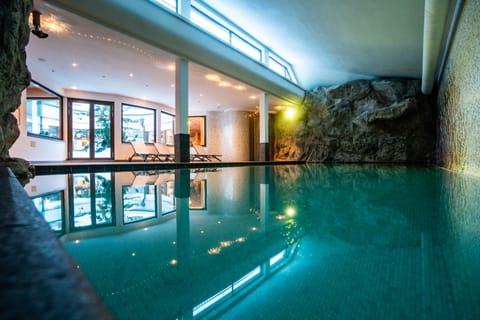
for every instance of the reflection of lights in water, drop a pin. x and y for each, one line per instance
(219, 221)
(77, 241)
(145, 229)
(202, 231)
(173, 262)
(242, 239)
(254, 229)
(280, 217)
(214, 251)
(174, 242)
(290, 212)
(225, 244)
(133, 254)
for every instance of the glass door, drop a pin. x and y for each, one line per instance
(90, 130)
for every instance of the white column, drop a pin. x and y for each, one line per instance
(263, 108)
(182, 141)
(181, 96)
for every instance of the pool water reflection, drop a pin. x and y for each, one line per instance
(279, 242)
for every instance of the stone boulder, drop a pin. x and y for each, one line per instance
(14, 76)
(362, 121)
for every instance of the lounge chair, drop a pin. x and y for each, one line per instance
(165, 152)
(195, 156)
(201, 151)
(141, 150)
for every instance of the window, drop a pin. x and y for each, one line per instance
(169, 4)
(246, 47)
(210, 25)
(167, 128)
(44, 112)
(138, 124)
(278, 67)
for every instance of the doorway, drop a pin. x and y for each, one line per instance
(90, 129)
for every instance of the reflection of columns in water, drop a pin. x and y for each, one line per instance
(264, 205)
(263, 176)
(182, 194)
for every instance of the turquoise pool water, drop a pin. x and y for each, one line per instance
(279, 242)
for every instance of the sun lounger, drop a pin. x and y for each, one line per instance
(141, 150)
(195, 156)
(202, 152)
(165, 153)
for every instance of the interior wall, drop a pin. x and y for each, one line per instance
(227, 133)
(459, 96)
(33, 148)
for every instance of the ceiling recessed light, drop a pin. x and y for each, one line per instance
(224, 84)
(130, 75)
(213, 77)
(240, 87)
(172, 86)
(74, 64)
(253, 97)
(201, 94)
(74, 87)
(171, 67)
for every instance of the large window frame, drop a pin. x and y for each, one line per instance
(167, 134)
(150, 137)
(44, 132)
(92, 127)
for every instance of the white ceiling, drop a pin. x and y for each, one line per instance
(334, 41)
(327, 42)
(110, 62)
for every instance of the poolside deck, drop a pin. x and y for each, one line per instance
(77, 166)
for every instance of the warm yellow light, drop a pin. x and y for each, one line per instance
(214, 251)
(224, 84)
(51, 24)
(290, 212)
(213, 77)
(171, 67)
(239, 87)
(74, 64)
(253, 97)
(241, 239)
(290, 113)
(173, 262)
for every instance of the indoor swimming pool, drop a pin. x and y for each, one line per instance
(272, 242)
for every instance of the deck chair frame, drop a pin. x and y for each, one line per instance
(140, 149)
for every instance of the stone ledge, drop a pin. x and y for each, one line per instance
(38, 279)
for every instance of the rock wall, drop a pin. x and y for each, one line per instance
(14, 77)
(361, 121)
(459, 97)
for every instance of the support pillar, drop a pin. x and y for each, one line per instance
(264, 148)
(182, 138)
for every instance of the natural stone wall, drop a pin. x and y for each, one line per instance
(361, 121)
(14, 77)
(459, 96)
